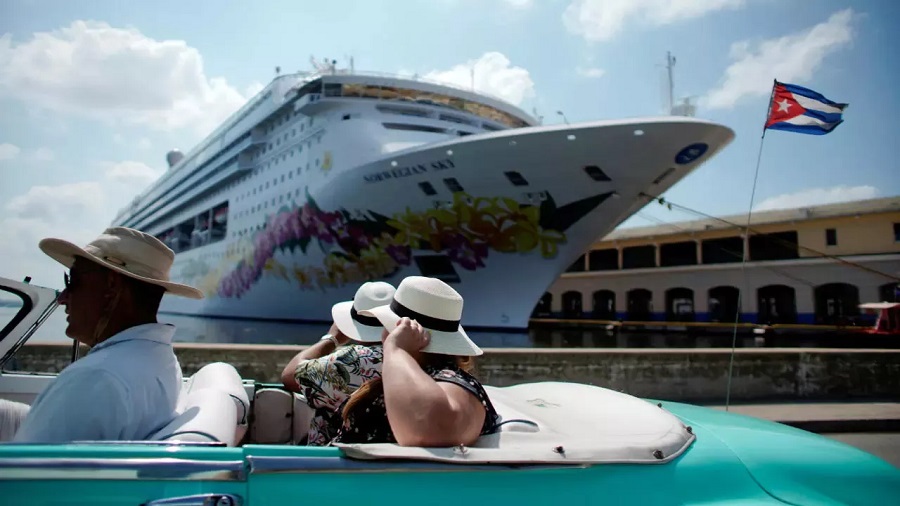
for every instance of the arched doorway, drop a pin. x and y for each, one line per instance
(640, 304)
(723, 303)
(544, 306)
(777, 304)
(571, 304)
(836, 303)
(680, 305)
(604, 307)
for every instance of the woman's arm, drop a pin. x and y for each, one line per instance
(421, 411)
(318, 350)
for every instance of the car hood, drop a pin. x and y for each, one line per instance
(796, 466)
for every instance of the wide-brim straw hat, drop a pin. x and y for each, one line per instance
(365, 329)
(437, 307)
(127, 251)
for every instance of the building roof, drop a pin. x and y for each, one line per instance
(854, 208)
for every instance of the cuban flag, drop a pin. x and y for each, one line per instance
(798, 109)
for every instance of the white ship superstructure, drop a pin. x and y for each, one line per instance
(323, 181)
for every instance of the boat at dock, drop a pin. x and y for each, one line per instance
(331, 178)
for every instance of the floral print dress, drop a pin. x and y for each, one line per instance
(368, 423)
(327, 383)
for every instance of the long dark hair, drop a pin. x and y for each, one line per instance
(374, 388)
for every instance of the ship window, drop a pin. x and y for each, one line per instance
(463, 133)
(896, 232)
(427, 188)
(515, 178)
(596, 173)
(830, 237)
(267, 184)
(415, 128)
(317, 162)
(345, 117)
(290, 175)
(453, 185)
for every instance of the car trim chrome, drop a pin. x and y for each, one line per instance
(271, 465)
(60, 468)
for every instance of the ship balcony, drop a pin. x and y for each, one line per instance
(245, 161)
(258, 137)
(314, 103)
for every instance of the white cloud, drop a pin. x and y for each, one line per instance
(792, 58)
(598, 20)
(54, 204)
(9, 151)
(43, 155)
(817, 196)
(590, 72)
(144, 143)
(92, 69)
(494, 74)
(131, 173)
(77, 212)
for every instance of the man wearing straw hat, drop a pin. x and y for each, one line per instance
(127, 386)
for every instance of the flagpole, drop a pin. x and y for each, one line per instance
(737, 316)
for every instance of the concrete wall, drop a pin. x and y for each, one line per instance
(691, 375)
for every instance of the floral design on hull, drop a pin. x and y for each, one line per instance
(364, 246)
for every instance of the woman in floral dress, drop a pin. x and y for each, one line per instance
(328, 372)
(426, 395)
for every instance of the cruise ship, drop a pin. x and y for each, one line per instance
(812, 266)
(330, 178)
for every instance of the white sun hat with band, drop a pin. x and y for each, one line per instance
(437, 307)
(365, 329)
(127, 251)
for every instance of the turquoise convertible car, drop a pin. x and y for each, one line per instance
(239, 442)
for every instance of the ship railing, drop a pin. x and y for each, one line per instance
(406, 77)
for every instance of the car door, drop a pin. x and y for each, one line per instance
(139, 473)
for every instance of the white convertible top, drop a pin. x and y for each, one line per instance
(558, 423)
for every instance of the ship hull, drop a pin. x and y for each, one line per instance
(506, 213)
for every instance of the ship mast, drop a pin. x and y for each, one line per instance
(685, 108)
(670, 63)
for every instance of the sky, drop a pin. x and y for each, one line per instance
(93, 94)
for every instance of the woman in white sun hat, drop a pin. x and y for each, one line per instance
(426, 395)
(328, 372)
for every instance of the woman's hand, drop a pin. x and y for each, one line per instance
(408, 335)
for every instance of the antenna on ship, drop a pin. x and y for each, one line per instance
(686, 107)
(670, 63)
